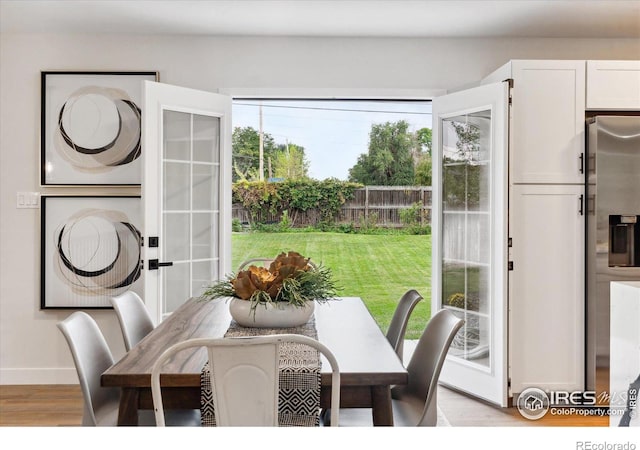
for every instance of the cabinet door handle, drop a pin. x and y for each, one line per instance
(581, 165)
(581, 205)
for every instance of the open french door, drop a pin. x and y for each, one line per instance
(469, 229)
(186, 193)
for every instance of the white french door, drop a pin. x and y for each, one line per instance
(469, 220)
(186, 193)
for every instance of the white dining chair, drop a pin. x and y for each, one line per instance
(244, 377)
(416, 403)
(92, 356)
(398, 326)
(135, 320)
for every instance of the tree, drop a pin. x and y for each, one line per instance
(423, 168)
(246, 152)
(290, 162)
(424, 138)
(389, 161)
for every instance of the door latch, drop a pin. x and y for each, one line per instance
(154, 264)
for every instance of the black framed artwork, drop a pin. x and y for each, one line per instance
(90, 250)
(91, 128)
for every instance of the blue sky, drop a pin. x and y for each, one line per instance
(333, 132)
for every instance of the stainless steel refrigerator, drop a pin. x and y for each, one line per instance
(613, 227)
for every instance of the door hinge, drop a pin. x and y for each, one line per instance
(510, 242)
(510, 265)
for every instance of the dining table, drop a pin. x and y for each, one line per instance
(368, 364)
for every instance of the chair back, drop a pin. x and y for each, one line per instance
(244, 377)
(398, 325)
(91, 356)
(426, 364)
(133, 316)
(264, 262)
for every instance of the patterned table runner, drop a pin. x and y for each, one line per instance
(299, 397)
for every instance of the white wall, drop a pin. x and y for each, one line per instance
(32, 350)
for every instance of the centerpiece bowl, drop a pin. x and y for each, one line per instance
(280, 296)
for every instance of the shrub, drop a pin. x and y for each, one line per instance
(264, 199)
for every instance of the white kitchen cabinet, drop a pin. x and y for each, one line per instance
(546, 287)
(613, 85)
(547, 120)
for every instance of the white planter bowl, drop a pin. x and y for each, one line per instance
(270, 315)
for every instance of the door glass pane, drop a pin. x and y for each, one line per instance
(205, 232)
(472, 341)
(175, 233)
(176, 285)
(453, 237)
(176, 179)
(177, 129)
(476, 234)
(206, 131)
(466, 231)
(453, 186)
(202, 271)
(204, 182)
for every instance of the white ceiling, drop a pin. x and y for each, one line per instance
(344, 18)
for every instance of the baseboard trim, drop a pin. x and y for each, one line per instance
(38, 376)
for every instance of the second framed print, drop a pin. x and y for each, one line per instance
(90, 251)
(91, 128)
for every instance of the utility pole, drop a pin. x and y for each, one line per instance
(261, 170)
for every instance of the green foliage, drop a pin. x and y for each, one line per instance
(326, 196)
(257, 197)
(236, 225)
(424, 138)
(245, 143)
(389, 161)
(287, 160)
(368, 222)
(411, 218)
(411, 215)
(290, 163)
(285, 223)
(423, 171)
(457, 300)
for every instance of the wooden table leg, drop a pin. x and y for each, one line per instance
(128, 411)
(381, 407)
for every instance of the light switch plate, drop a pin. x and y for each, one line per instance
(28, 200)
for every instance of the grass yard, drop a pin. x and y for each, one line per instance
(377, 268)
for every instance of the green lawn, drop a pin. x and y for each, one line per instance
(377, 268)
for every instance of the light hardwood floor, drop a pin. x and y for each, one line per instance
(61, 405)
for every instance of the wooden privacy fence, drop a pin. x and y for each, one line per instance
(372, 205)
